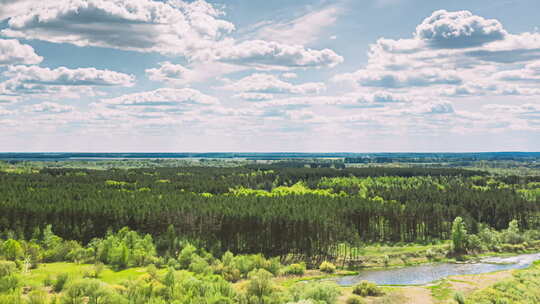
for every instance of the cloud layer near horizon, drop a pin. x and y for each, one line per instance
(457, 74)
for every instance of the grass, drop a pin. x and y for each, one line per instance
(35, 277)
(312, 275)
(442, 291)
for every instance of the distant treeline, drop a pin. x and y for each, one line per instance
(348, 157)
(266, 208)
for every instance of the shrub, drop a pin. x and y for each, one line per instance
(37, 297)
(295, 269)
(199, 265)
(474, 244)
(7, 268)
(186, 255)
(386, 260)
(260, 284)
(512, 235)
(327, 267)
(355, 300)
(458, 297)
(9, 283)
(459, 235)
(228, 258)
(98, 269)
(12, 250)
(48, 281)
(60, 282)
(91, 291)
(321, 292)
(532, 235)
(244, 264)
(152, 271)
(365, 288)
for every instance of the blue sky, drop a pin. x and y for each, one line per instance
(239, 75)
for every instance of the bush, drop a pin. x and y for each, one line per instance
(474, 244)
(260, 284)
(186, 255)
(512, 235)
(37, 297)
(327, 267)
(7, 268)
(60, 282)
(355, 300)
(365, 288)
(91, 291)
(9, 283)
(458, 297)
(320, 292)
(12, 250)
(295, 269)
(48, 281)
(199, 265)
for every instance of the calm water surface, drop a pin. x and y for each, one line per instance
(423, 274)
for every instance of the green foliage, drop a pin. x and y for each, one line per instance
(260, 285)
(60, 282)
(365, 288)
(91, 291)
(38, 296)
(185, 257)
(512, 235)
(317, 292)
(9, 283)
(125, 248)
(12, 250)
(458, 297)
(327, 267)
(7, 268)
(305, 211)
(523, 287)
(459, 235)
(295, 269)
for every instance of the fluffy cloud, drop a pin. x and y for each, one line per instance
(453, 54)
(289, 75)
(49, 108)
(59, 82)
(530, 73)
(254, 96)
(435, 108)
(170, 73)
(171, 27)
(270, 84)
(163, 97)
(271, 54)
(400, 79)
(63, 76)
(459, 29)
(523, 109)
(13, 52)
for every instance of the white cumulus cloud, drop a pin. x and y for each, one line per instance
(14, 52)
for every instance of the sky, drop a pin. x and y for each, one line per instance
(269, 76)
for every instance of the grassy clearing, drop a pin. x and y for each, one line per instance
(35, 277)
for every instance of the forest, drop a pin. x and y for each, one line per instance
(249, 223)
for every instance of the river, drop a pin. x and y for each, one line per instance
(423, 274)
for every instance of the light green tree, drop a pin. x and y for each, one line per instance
(459, 235)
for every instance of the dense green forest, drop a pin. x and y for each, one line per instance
(244, 232)
(270, 209)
